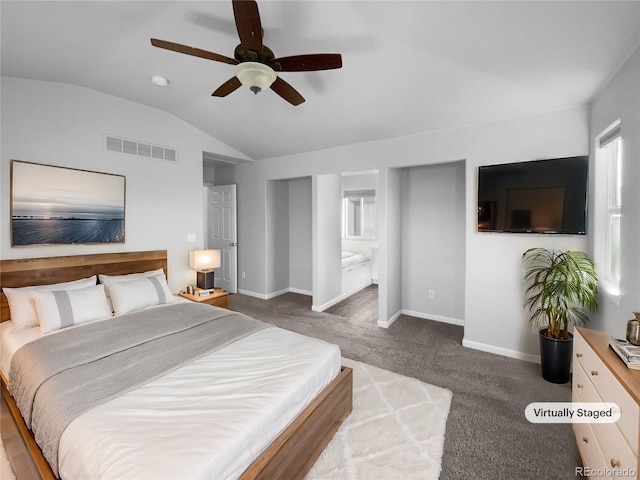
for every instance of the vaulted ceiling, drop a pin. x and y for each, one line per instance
(408, 67)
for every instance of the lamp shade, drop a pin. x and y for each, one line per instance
(204, 259)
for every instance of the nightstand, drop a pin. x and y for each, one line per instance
(219, 298)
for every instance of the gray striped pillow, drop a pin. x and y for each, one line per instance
(64, 308)
(138, 294)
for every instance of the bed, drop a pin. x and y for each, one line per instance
(242, 410)
(356, 272)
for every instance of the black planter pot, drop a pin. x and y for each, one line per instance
(555, 358)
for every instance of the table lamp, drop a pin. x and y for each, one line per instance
(204, 261)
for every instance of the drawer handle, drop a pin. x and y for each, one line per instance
(585, 439)
(594, 373)
(579, 385)
(615, 463)
(579, 355)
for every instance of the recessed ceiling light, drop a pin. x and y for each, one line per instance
(160, 80)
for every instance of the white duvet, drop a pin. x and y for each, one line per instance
(209, 419)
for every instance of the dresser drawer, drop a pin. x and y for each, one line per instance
(582, 389)
(588, 447)
(615, 450)
(608, 389)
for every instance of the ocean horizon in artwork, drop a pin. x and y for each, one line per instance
(59, 205)
(76, 227)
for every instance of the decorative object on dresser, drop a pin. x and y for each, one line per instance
(204, 261)
(599, 375)
(561, 291)
(633, 329)
(628, 353)
(218, 298)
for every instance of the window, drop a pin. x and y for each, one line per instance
(359, 213)
(609, 156)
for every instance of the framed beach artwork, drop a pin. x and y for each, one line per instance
(59, 205)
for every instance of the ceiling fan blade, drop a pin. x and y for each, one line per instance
(307, 63)
(196, 52)
(287, 92)
(227, 87)
(248, 25)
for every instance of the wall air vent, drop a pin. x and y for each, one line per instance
(140, 149)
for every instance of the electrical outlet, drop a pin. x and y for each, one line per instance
(191, 237)
(242, 274)
(432, 294)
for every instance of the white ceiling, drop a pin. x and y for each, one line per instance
(408, 67)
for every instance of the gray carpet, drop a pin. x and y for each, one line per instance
(487, 435)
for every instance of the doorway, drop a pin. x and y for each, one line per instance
(288, 246)
(221, 233)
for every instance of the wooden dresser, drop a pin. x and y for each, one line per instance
(608, 450)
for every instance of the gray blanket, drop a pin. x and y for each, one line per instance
(58, 377)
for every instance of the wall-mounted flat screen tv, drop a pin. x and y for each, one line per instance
(540, 196)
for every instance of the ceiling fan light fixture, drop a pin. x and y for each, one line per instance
(256, 76)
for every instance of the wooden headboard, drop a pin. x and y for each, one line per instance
(43, 271)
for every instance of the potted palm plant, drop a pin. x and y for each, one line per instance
(561, 291)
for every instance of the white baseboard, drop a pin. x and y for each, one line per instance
(339, 298)
(275, 294)
(505, 352)
(427, 316)
(387, 323)
(437, 318)
(301, 292)
(252, 294)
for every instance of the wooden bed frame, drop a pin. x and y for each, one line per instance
(291, 455)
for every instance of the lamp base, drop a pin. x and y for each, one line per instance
(205, 279)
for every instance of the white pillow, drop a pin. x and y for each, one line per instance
(21, 305)
(139, 293)
(64, 308)
(106, 279)
(109, 280)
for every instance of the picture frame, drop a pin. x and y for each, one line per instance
(60, 205)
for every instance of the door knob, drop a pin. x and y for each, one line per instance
(233, 244)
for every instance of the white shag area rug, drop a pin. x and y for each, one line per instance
(395, 431)
(6, 473)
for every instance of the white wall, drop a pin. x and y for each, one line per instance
(300, 236)
(288, 238)
(390, 254)
(327, 268)
(277, 244)
(620, 100)
(64, 125)
(433, 241)
(494, 317)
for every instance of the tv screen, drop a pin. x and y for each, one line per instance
(540, 196)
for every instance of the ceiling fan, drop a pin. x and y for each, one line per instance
(257, 66)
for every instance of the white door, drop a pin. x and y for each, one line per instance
(222, 234)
